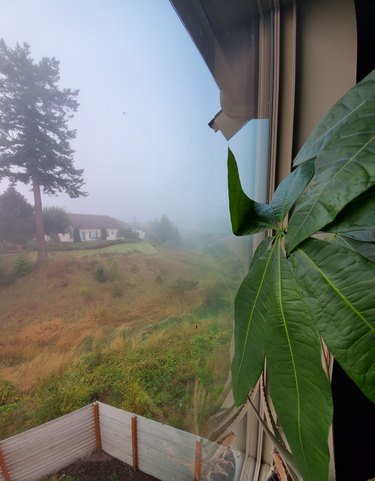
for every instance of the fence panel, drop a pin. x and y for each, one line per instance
(47, 448)
(115, 432)
(163, 451)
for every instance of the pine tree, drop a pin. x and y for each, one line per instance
(34, 135)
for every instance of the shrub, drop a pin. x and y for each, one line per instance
(101, 274)
(76, 235)
(109, 272)
(22, 266)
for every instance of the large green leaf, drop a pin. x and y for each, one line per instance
(299, 388)
(362, 235)
(251, 307)
(340, 113)
(344, 169)
(359, 214)
(366, 249)
(340, 286)
(247, 216)
(290, 188)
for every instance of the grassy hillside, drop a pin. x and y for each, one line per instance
(141, 328)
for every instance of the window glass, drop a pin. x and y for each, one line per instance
(144, 324)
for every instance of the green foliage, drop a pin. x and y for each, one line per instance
(16, 218)
(109, 272)
(7, 273)
(10, 399)
(103, 234)
(22, 266)
(128, 234)
(35, 139)
(102, 274)
(56, 221)
(115, 338)
(35, 85)
(76, 235)
(163, 231)
(151, 375)
(299, 289)
(8, 393)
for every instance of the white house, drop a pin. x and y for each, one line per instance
(91, 227)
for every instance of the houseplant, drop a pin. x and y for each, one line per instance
(311, 279)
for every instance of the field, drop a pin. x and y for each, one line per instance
(142, 328)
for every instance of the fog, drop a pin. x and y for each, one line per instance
(146, 98)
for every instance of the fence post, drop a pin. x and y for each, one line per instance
(134, 443)
(98, 440)
(198, 461)
(3, 467)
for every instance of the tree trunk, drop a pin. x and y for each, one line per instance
(39, 226)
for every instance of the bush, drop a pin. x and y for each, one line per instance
(22, 266)
(101, 274)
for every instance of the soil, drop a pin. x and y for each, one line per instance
(100, 467)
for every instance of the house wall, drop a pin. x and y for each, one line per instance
(66, 237)
(90, 235)
(112, 234)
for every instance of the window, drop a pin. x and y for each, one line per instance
(160, 305)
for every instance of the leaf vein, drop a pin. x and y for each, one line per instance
(339, 293)
(251, 318)
(290, 350)
(324, 186)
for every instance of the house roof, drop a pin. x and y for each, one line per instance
(92, 221)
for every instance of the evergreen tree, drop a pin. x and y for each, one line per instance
(163, 231)
(103, 234)
(16, 218)
(76, 235)
(34, 134)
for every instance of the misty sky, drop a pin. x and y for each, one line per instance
(146, 97)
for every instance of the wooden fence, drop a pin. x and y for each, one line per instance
(164, 452)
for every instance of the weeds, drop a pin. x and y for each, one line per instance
(119, 332)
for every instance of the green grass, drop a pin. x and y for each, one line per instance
(118, 249)
(136, 329)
